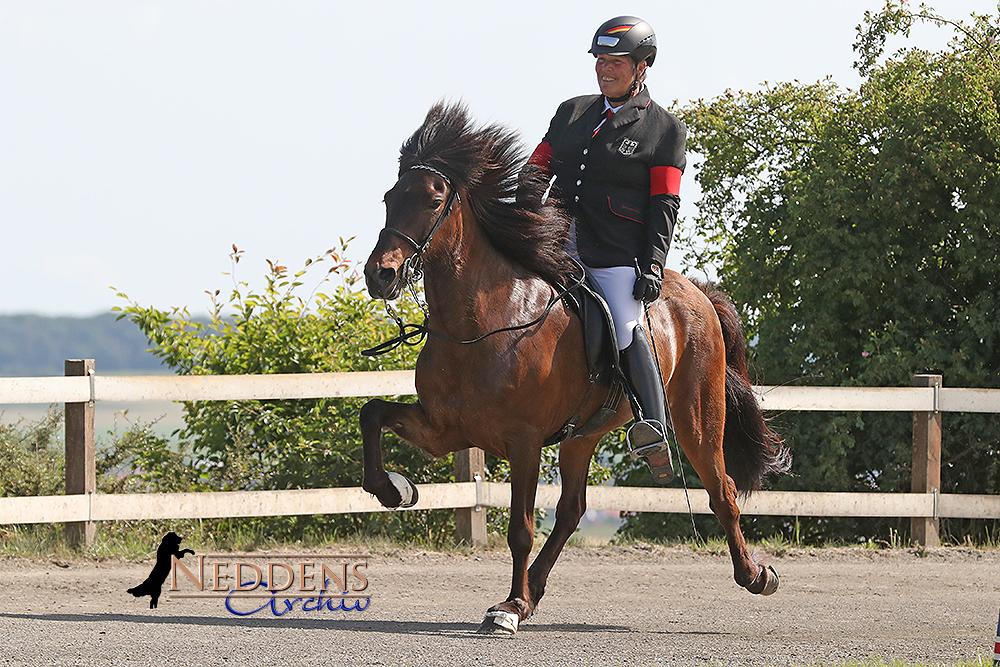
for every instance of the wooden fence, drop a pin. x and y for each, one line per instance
(82, 507)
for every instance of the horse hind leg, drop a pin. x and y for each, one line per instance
(698, 419)
(747, 571)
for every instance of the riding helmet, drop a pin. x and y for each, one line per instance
(626, 36)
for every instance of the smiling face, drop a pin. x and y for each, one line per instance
(616, 74)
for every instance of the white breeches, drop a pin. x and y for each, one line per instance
(617, 283)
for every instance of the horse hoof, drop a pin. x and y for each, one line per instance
(770, 580)
(407, 491)
(499, 623)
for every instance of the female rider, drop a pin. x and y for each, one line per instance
(617, 159)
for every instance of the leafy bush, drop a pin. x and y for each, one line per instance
(284, 444)
(33, 456)
(140, 461)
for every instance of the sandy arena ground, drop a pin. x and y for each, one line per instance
(637, 605)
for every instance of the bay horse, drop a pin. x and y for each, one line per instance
(491, 252)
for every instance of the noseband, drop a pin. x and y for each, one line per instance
(412, 269)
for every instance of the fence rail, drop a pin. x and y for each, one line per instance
(470, 495)
(107, 388)
(82, 506)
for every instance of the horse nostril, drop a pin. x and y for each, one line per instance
(386, 276)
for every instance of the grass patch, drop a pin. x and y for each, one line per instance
(136, 541)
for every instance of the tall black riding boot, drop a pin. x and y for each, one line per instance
(647, 436)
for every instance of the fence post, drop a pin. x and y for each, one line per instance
(470, 522)
(926, 462)
(81, 475)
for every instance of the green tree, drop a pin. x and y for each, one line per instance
(858, 230)
(275, 444)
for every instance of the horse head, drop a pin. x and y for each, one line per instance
(415, 208)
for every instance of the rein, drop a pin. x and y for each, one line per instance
(412, 271)
(419, 331)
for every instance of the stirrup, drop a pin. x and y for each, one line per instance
(647, 440)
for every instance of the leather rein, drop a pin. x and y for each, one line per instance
(412, 271)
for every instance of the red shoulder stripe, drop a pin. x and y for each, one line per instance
(664, 181)
(542, 157)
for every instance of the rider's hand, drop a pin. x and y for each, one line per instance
(648, 284)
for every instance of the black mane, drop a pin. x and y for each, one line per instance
(486, 163)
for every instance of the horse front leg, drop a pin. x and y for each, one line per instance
(574, 464)
(506, 617)
(408, 421)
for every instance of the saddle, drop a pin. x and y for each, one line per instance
(601, 346)
(600, 341)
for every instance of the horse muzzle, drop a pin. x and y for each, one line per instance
(390, 268)
(383, 282)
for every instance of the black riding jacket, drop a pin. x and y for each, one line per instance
(622, 183)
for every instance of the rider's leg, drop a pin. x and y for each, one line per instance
(647, 436)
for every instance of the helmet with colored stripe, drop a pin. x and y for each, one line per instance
(626, 36)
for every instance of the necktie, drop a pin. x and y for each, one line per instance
(607, 117)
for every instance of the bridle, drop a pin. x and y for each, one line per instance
(412, 269)
(411, 272)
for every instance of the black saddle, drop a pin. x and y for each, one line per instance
(599, 338)
(601, 345)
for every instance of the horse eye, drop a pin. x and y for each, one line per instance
(435, 204)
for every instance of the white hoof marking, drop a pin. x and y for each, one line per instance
(404, 487)
(504, 620)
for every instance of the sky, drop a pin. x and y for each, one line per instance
(141, 140)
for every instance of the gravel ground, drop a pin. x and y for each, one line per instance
(637, 605)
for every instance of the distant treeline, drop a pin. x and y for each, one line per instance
(36, 345)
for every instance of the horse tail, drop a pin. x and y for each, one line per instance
(751, 449)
